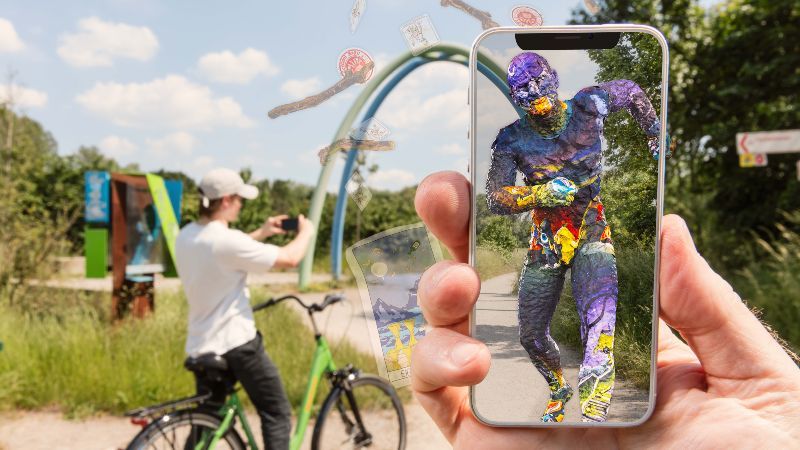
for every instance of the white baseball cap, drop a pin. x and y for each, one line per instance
(221, 182)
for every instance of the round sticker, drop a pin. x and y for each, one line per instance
(352, 60)
(525, 16)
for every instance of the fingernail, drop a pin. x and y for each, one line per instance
(463, 352)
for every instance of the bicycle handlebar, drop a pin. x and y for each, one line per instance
(330, 299)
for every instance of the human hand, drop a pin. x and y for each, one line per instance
(304, 226)
(731, 386)
(272, 226)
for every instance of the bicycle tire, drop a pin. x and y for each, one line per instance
(185, 421)
(328, 413)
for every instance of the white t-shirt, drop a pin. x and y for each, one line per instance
(213, 261)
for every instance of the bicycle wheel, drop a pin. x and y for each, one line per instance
(381, 412)
(183, 430)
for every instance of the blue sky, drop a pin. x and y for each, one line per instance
(187, 85)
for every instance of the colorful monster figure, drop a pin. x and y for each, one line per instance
(557, 147)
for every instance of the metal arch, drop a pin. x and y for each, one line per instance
(444, 52)
(337, 231)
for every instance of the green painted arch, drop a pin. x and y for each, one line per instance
(318, 197)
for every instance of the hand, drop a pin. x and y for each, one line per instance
(272, 226)
(731, 386)
(304, 226)
(557, 192)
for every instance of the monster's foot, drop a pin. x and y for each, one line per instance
(555, 407)
(595, 388)
(594, 408)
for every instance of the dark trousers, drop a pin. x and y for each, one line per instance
(261, 380)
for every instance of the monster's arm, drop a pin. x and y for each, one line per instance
(504, 197)
(625, 94)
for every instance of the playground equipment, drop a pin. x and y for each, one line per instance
(142, 213)
(383, 83)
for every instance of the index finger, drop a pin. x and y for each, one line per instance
(443, 203)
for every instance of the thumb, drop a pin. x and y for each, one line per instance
(727, 338)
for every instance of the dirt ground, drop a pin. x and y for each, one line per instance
(50, 431)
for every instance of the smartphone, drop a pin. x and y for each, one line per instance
(289, 224)
(567, 131)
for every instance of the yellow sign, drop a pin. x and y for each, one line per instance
(752, 160)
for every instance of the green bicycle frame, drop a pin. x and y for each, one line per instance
(321, 364)
(232, 408)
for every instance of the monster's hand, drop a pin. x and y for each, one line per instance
(556, 192)
(654, 145)
(655, 148)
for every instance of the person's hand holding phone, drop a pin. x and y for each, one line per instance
(270, 227)
(729, 385)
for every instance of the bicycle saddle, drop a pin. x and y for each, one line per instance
(206, 363)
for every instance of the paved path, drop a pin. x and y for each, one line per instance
(514, 391)
(166, 284)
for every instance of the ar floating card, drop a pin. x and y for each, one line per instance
(387, 268)
(355, 14)
(371, 129)
(420, 34)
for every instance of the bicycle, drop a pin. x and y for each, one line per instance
(197, 422)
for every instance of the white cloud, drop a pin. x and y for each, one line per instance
(116, 147)
(9, 39)
(434, 96)
(170, 102)
(180, 142)
(301, 88)
(461, 165)
(227, 67)
(202, 164)
(452, 149)
(98, 43)
(391, 179)
(22, 97)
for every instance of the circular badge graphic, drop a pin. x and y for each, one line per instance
(352, 60)
(525, 16)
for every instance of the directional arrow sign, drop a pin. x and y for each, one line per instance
(784, 141)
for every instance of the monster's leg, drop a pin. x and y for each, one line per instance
(539, 291)
(594, 285)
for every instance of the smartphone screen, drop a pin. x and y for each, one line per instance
(567, 137)
(289, 224)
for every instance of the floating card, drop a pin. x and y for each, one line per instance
(387, 268)
(361, 195)
(420, 34)
(355, 14)
(371, 129)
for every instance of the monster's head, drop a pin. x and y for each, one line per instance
(533, 83)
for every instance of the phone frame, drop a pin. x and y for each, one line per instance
(472, 99)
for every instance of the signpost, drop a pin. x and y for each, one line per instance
(753, 146)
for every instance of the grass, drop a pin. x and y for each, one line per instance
(491, 263)
(61, 351)
(771, 283)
